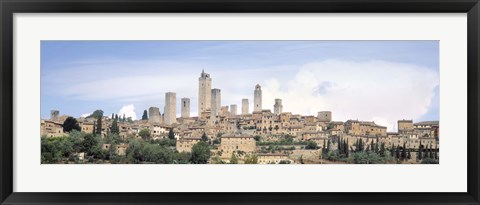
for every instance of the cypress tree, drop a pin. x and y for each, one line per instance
(392, 150)
(398, 152)
(145, 115)
(420, 151)
(382, 149)
(99, 125)
(171, 135)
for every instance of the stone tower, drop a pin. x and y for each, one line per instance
(216, 101)
(257, 98)
(233, 110)
(244, 106)
(324, 116)
(277, 108)
(170, 108)
(154, 115)
(54, 115)
(204, 92)
(185, 107)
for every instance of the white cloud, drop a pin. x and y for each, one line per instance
(129, 111)
(371, 90)
(85, 114)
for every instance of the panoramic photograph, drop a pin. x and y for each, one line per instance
(240, 102)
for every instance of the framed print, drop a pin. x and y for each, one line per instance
(239, 102)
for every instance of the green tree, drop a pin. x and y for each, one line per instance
(171, 134)
(311, 145)
(145, 115)
(71, 124)
(114, 128)
(200, 153)
(233, 159)
(99, 125)
(144, 133)
(204, 137)
(404, 151)
(382, 149)
(96, 114)
(251, 159)
(420, 151)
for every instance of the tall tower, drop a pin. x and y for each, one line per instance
(216, 102)
(170, 108)
(277, 108)
(244, 106)
(154, 115)
(185, 107)
(54, 115)
(233, 110)
(257, 98)
(204, 92)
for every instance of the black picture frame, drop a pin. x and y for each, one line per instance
(10, 7)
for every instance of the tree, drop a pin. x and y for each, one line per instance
(404, 151)
(99, 125)
(124, 119)
(144, 133)
(204, 137)
(114, 128)
(311, 145)
(171, 134)
(420, 151)
(233, 159)
(71, 124)
(145, 115)
(96, 114)
(251, 159)
(113, 116)
(200, 153)
(382, 149)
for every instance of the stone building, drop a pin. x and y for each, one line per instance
(233, 110)
(355, 127)
(324, 116)
(154, 115)
(50, 128)
(405, 126)
(244, 106)
(204, 92)
(277, 107)
(272, 158)
(257, 98)
(185, 108)
(230, 143)
(170, 108)
(216, 102)
(186, 144)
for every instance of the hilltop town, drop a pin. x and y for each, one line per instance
(220, 134)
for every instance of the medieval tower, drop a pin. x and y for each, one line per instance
(185, 107)
(170, 108)
(216, 101)
(244, 106)
(257, 99)
(277, 108)
(233, 110)
(154, 115)
(204, 92)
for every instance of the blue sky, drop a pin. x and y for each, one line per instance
(368, 80)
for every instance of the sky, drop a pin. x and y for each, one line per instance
(380, 81)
